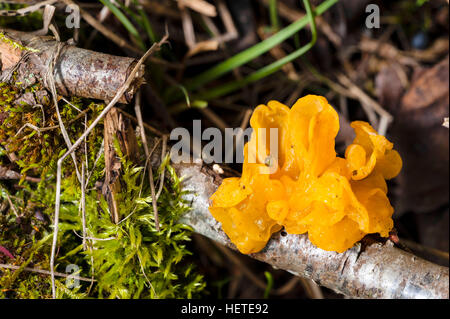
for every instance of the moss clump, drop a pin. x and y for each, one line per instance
(126, 260)
(38, 150)
(132, 259)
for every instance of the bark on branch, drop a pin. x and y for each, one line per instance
(377, 271)
(76, 71)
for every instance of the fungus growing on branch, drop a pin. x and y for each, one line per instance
(305, 186)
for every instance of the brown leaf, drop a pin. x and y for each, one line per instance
(428, 88)
(423, 142)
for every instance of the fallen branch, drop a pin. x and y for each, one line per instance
(31, 57)
(377, 271)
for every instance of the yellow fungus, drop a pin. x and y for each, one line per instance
(306, 187)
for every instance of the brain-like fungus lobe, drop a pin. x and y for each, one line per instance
(303, 185)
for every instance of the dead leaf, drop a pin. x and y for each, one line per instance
(431, 86)
(423, 143)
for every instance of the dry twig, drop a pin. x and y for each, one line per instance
(45, 272)
(369, 104)
(147, 155)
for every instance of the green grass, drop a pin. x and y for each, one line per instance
(125, 22)
(260, 48)
(223, 67)
(273, 12)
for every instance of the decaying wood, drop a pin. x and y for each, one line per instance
(377, 271)
(77, 72)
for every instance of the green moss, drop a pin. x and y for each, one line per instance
(135, 262)
(15, 44)
(141, 262)
(38, 152)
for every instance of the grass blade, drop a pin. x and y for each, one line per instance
(255, 51)
(269, 69)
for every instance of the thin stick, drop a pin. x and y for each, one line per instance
(442, 255)
(93, 238)
(111, 104)
(142, 181)
(161, 177)
(104, 30)
(99, 154)
(85, 144)
(83, 203)
(147, 126)
(137, 109)
(68, 102)
(311, 288)
(343, 106)
(383, 125)
(51, 83)
(201, 6)
(288, 286)
(45, 272)
(27, 10)
(188, 27)
(48, 128)
(143, 272)
(33, 127)
(12, 205)
(92, 273)
(213, 117)
(6, 173)
(363, 97)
